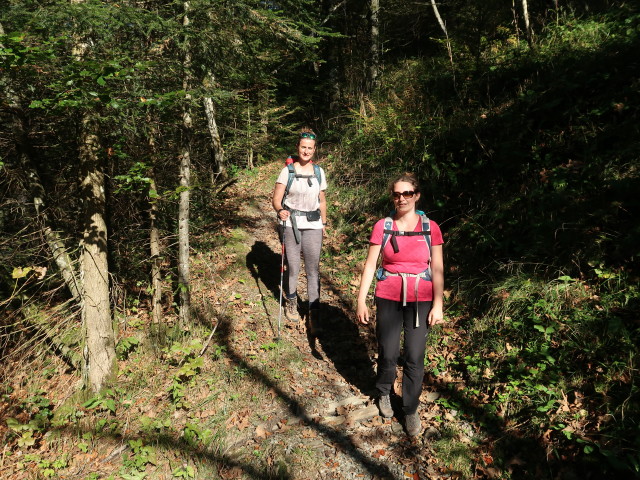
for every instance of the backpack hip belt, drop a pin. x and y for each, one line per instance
(426, 275)
(294, 223)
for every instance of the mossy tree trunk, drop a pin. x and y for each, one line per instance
(374, 68)
(184, 277)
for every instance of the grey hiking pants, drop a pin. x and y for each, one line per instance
(309, 246)
(391, 319)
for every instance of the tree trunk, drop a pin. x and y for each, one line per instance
(249, 142)
(100, 355)
(184, 277)
(99, 351)
(154, 241)
(156, 261)
(443, 26)
(527, 23)
(218, 163)
(329, 7)
(265, 114)
(374, 68)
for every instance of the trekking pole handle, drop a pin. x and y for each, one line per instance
(283, 220)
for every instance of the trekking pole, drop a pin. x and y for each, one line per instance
(281, 281)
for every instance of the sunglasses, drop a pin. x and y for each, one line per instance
(311, 136)
(407, 194)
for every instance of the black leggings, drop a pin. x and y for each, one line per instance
(391, 319)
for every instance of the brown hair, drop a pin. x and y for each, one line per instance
(405, 177)
(310, 132)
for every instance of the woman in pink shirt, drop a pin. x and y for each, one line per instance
(408, 295)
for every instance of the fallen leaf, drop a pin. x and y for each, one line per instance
(309, 433)
(379, 453)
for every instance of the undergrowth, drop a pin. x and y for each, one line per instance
(529, 170)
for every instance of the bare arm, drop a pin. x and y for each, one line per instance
(368, 271)
(436, 315)
(276, 201)
(323, 210)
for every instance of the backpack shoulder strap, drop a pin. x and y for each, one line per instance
(388, 225)
(317, 172)
(292, 175)
(426, 231)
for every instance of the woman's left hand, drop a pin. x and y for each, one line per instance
(436, 316)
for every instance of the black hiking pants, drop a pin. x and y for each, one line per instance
(391, 320)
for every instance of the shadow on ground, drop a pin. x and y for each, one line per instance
(342, 342)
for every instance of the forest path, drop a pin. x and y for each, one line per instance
(316, 413)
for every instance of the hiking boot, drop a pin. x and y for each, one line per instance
(314, 322)
(384, 404)
(412, 424)
(291, 310)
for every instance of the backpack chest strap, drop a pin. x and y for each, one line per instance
(308, 177)
(399, 233)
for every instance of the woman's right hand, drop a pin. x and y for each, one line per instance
(362, 311)
(283, 215)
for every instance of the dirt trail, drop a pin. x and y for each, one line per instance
(323, 404)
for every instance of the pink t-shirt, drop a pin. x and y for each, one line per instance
(412, 257)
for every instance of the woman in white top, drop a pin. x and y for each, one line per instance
(299, 200)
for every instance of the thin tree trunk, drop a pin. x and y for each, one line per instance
(329, 7)
(58, 250)
(527, 23)
(156, 261)
(443, 26)
(249, 142)
(218, 163)
(184, 277)
(263, 110)
(374, 69)
(516, 26)
(154, 241)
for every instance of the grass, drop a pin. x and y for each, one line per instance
(168, 416)
(457, 455)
